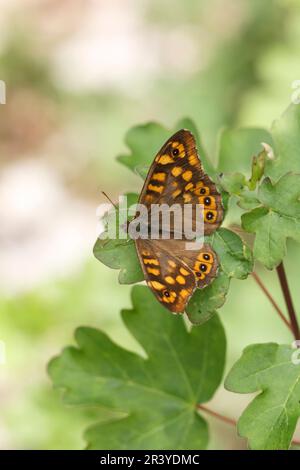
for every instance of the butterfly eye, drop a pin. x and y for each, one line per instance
(175, 152)
(206, 256)
(207, 201)
(203, 267)
(198, 274)
(202, 191)
(166, 293)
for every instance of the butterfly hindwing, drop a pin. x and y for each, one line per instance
(203, 262)
(173, 273)
(171, 281)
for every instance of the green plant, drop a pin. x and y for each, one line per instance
(184, 366)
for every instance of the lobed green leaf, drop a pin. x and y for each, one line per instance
(119, 253)
(269, 421)
(238, 146)
(277, 219)
(156, 397)
(205, 302)
(144, 142)
(235, 257)
(286, 137)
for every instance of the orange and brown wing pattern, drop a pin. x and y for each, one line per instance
(169, 278)
(205, 266)
(177, 177)
(202, 262)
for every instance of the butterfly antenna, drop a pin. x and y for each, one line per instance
(108, 198)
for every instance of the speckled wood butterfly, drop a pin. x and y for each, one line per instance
(176, 176)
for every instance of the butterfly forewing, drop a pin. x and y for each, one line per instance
(177, 177)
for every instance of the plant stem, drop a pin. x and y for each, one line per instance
(217, 415)
(227, 420)
(273, 302)
(288, 300)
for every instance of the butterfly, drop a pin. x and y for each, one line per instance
(176, 176)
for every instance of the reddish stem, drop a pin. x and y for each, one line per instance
(273, 302)
(217, 415)
(288, 300)
(227, 420)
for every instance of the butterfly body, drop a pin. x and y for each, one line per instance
(172, 270)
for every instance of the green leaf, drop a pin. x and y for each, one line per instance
(119, 253)
(235, 261)
(204, 302)
(187, 123)
(122, 255)
(233, 183)
(269, 421)
(238, 149)
(238, 146)
(248, 201)
(235, 257)
(144, 141)
(237, 185)
(277, 219)
(156, 395)
(286, 136)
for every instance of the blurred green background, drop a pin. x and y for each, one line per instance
(79, 74)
